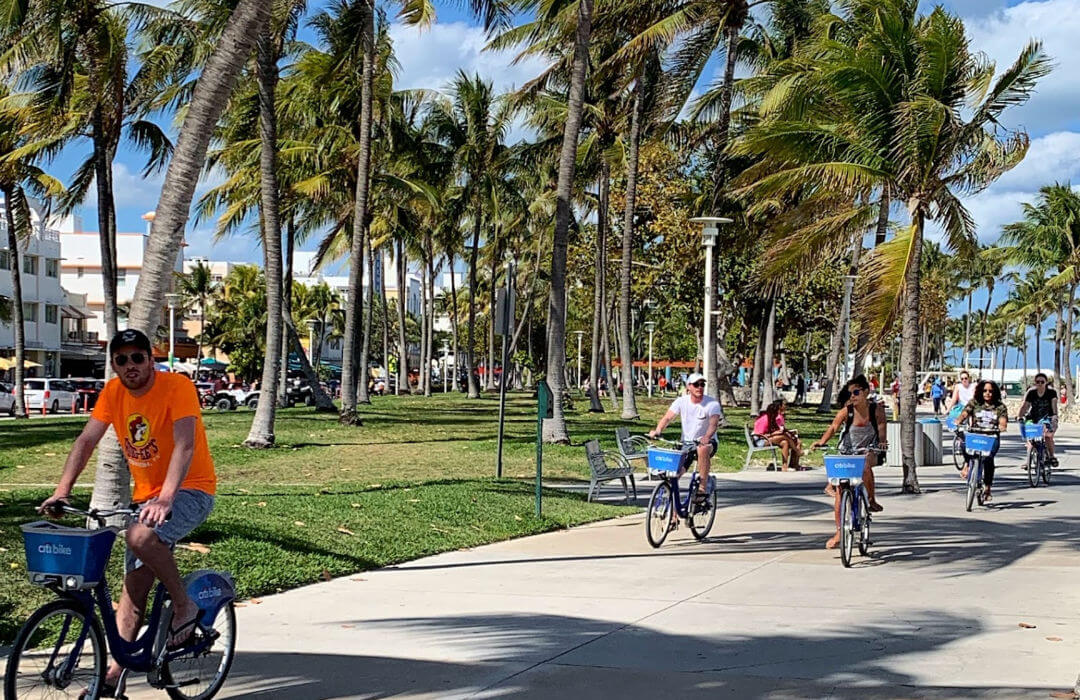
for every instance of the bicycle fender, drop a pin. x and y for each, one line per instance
(210, 591)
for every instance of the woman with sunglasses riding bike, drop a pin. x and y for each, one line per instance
(863, 422)
(986, 413)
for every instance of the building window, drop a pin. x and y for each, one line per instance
(5, 260)
(29, 265)
(30, 313)
(121, 275)
(50, 313)
(52, 268)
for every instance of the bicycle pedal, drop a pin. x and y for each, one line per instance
(192, 681)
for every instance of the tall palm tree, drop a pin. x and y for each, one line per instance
(946, 142)
(196, 288)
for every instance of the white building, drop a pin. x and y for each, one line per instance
(41, 294)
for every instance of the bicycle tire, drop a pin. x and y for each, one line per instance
(174, 672)
(957, 452)
(30, 633)
(972, 485)
(864, 525)
(1033, 467)
(661, 503)
(847, 533)
(1046, 467)
(701, 523)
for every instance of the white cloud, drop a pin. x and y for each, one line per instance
(1004, 33)
(430, 58)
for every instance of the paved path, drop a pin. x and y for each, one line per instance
(759, 610)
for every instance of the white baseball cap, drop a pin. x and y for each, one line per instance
(694, 378)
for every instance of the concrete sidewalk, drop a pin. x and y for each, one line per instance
(758, 610)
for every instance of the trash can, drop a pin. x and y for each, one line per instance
(932, 441)
(895, 455)
(894, 458)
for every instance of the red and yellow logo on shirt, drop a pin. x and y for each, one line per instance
(139, 443)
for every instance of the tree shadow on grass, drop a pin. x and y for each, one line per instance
(23, 434)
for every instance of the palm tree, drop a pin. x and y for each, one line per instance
(940, 148)
(196, 288)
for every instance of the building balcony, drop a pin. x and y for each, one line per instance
(82, 337)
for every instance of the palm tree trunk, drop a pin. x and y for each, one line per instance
(612, 387)
(1066, 366)
(862, 341)
(909, 353)
(967, 332)
(385, 318)
(768, 393)
(261, 434)
(1038, 345)
(430, 313)
(555, 429)
(323, 401)
(489, 374)
(363, 396)
(758, 373)
(453, 318)
(474, 259)
(837, 342)
(604, 192)
(1059, 324)
(629, 410)
(17, 311)
(103, 182)
(286, 311)
(360, 216)
(403, 342)
(211, 94)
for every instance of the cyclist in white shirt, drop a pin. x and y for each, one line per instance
(699, 416)
(963, 391)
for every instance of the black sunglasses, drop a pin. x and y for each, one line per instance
(856, 392)
(701, 383)
(136, 358)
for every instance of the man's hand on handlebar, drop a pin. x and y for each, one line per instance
(652, 434)
(155, 512)
(53, 506)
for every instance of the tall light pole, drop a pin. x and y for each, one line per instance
(579, 334)
(650, 326)
(446, 366)
(849, 283)
(172, 299)
(311, 323)
(710, 229)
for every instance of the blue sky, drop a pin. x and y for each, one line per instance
(997, 27)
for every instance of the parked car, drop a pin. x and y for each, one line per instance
(55, 394)
(7, 398)
(88, 390)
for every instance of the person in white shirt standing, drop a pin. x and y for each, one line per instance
(699, 416)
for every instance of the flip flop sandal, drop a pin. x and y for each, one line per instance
(187, 630)
(108, 690)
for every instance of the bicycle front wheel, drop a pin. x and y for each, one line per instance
(702, 516)
(59, 653)
(659, 514)
(972, 484)
(1033, 467)
(847, 531)
(1044, 460)
(864, 525)
(200, 676)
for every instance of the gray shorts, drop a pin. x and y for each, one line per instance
(190, 509)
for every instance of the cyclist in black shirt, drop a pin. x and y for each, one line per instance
(1041, 403)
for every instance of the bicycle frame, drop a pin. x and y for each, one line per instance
(682, 507)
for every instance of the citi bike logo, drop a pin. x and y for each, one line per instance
(209, 593)
(54, 549)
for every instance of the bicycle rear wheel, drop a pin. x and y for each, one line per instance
(658, 515)
(972, 484)
(847, 531)
(864, 525)
(200, 676)
(1033, 467)
(702, 516)
(58, 653)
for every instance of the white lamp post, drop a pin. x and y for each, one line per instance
(710, 228)
(579, 334)
(172, 299)
(650, 326)
(149, 217)
(311, 323)
(446, 367)
(849, 283)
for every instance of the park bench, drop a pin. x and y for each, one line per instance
(607, 466)
(633, 447)
(752, 449)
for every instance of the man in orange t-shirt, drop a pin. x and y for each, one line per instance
(158, 421)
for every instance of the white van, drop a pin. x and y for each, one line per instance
(55, 394)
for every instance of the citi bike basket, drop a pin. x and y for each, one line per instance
(63, 648)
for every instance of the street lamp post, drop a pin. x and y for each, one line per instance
(650, 326)
(446, 367)
(710, 228)
(172, 299)
(579, 334)
(849, 283)
(311, 324)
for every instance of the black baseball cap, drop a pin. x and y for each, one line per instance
(130, 337)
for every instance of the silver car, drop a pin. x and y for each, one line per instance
(7, 399)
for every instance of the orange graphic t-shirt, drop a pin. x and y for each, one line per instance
(144, 426)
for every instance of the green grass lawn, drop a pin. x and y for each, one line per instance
(414, 480)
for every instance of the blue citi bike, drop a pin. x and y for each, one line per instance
(61, 652)
(845, 473)
(978, 445)
(666, 507)
(1038, 461)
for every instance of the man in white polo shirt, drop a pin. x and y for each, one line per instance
(699, 416)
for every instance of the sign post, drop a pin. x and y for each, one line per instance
(543, 410)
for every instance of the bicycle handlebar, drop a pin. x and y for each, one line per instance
(98, 514)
